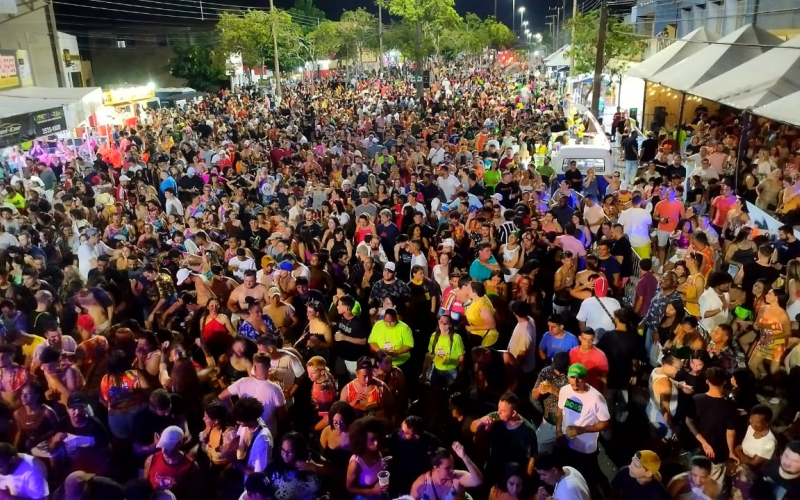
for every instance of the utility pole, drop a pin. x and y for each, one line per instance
(572, 37)
(277, 69)
(380, 35)
(557, 22)
(598, 60)
(550, 26)
(418, 64)
(202, 16)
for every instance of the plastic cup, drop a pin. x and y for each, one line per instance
(383, 478)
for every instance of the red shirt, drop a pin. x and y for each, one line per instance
(595, 362)
(723, 206)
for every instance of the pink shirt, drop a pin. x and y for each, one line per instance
(723, 206)
(595, 362)
(572, 244)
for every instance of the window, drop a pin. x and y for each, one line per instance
(741, 9)
(584, 164)
(162, 40)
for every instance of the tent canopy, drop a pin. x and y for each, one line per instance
(786, 109)
(557, 58)
(679, 50)
(744, 44)
(759, 81)
(78, 103)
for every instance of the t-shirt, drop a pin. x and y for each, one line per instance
(572, 486)
(762, 447)
(631, 148)
(646, 288)
(286, 369)
(87, 252)
(552, 346)
(510, 445)
(629, 488)
(723, 205)
(595, 362)
(782, 488)
(241, 266)
(446, 351)
(610, 266)
(672, 211)
(353, 327)
(636, 222)
(393, 339)
(523, 343)
(582, 409)
(593, 314)
(267, 392)
(29, 479)
(713, 417)
(620, 348)
(623, 248)
(575, 179)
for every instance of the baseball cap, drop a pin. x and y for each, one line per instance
(92, 231)
(497, 196)
(601, 286)
(183, 275)
(623, 186)
(170, 438)
(86, 322)
(561, 362)
(389, 267)
(444, 207)
(77, 399)
(123, 178)
(275, 236)
(649, 461)
(449, 243)
(274, 291)
(285, 266)
(190, 171)
(576, 370)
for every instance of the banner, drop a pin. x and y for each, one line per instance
(20, 128)
(24, 69)
(9, 73)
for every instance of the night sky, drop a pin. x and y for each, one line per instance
(93, 14)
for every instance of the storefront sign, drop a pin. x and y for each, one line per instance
(133, 94)
(19, 128)
(9, 73)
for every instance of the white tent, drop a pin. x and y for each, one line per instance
(786, 109)
(748, 42)
(759, 81)
(557, 58)
(78, 103)
(679, 50)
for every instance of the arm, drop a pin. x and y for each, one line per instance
(709, 451)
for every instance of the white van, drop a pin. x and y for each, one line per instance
(586, 156)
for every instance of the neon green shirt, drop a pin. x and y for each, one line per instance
(393, 339)
(447, 351)
(491, 177)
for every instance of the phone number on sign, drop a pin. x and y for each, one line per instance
(51, 130)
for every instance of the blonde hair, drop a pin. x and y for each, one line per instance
(317, 362)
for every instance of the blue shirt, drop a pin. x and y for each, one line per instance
(169, 182)
(479, 272)
(552, 346)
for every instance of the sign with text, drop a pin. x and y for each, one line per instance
(9, 73)
(19, 128)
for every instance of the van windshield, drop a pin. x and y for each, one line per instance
(584, 164)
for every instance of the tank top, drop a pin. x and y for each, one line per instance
(164, 476)
(691, 293)
(338, 246)
(372, 403)
(654, 406)
(361, 232)
(430, 492)
(368, 476)
(216, 336)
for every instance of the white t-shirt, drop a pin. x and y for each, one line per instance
(636, 222)
(241, 266)
(29, 479)
(523, 343)
(594, 215)
(267, 392)
(582, 409)
(303, 271)
(87, 252)
(287, 369)
(419, 260)
(173, 206)
(592, 313)
(7, 240)
(448, 186)
(710, 301)
(572, 486)
(763, 447)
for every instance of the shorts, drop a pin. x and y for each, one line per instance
(643, 251)
(663, 237)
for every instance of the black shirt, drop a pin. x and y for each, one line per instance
(575, 179)
(622, 248)
(631, 148)
(790, 250)
(649, 149)
(629, 488)
(713, 417)
(782, 488)
(352, 328)
(620, 348)
(676, 171)
(507, 190)
(477, 190)
(411, 458)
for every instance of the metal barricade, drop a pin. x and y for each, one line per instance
(629, 290)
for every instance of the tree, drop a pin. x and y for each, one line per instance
(198, 64)
(250, 34)
(358, 30)
(498, 34)
(622, 43)
(305, 9)
(325, 40)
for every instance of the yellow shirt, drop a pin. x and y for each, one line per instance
(27, 349)
(446, 351)
(393, 338)
(473, 314)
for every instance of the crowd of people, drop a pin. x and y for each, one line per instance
(358, 293)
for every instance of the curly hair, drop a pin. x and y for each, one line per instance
(361, 428)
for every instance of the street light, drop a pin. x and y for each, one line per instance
(525, 24)
(521, 14)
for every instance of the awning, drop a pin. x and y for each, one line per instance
(759, 81)
(744, 44)
(786, 110)
(79, 103)
(557, 58)
(28, 125)
(679, 50)
(186, 96)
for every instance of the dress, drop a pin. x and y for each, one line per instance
(771, 343)
(247, 330)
